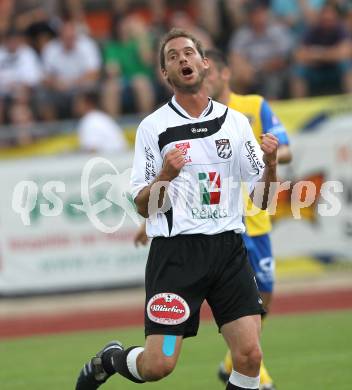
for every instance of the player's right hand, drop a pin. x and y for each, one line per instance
(173, 163)
(141, 237)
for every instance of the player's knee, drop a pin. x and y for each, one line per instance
(249, 357)
(255, 357)
(158, 369)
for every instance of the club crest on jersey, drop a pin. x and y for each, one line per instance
(223, 148)
(167, 309)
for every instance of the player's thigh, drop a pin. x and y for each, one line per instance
(161, 353)
(243, 335)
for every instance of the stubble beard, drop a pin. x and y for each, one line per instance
(187, 88)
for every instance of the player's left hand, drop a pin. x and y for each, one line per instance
(269, 146)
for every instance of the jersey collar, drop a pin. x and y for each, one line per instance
(180, 111)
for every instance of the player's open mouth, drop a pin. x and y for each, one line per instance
(186, 71)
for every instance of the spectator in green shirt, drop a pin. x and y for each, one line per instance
(129, 68)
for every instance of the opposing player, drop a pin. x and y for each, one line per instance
(190, 157)
(258, 225)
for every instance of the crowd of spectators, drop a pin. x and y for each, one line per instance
(51, 50)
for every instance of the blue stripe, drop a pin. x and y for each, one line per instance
(169, 345)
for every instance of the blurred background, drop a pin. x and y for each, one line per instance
(76, 77)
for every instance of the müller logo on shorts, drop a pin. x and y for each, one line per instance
(168, 309)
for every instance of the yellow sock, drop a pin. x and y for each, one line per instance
(265, 378)
(228, 362)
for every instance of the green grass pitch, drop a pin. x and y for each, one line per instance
(310, 352)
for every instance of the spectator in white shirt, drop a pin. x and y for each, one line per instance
(71, 62)
(20, 70)
(97, 131)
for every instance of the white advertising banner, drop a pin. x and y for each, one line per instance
(67, 223)
(322, 158)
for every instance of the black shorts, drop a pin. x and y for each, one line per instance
(185, 270)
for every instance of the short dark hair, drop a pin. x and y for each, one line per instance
(178, 33)
(218, 57)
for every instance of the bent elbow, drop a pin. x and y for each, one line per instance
(142, 212)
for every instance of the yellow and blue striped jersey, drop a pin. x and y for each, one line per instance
(263, 121)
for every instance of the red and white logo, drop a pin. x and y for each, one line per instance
(168, 309)
(183, 148)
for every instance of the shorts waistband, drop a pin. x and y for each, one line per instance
(198, 236)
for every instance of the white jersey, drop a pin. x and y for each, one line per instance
(220, 152)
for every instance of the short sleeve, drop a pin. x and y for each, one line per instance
(251, 158)
(147, 161)
(271, 124)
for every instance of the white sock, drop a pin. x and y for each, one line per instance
(131, 361)
(246, 382)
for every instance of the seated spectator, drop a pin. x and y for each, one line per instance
(70, 62)
(183, 21)
(259, 53)
(222, 18)
(323, 59)
(39, 34)
(97, 131)
(20, 70)
(129, 68)
(297, 14)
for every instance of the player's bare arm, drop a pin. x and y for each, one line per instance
(269, 147)
(173, 163)
(141, 237)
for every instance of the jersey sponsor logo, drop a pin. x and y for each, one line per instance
(207, 212)
(183, 148)
(209, 187)
(150, 171)
(210, 194)
(266, 264)
(197, 130)
(256, 164)
(223, 148)
(167, 309)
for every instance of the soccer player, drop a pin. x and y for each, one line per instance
(190, 157)
(258, 226)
